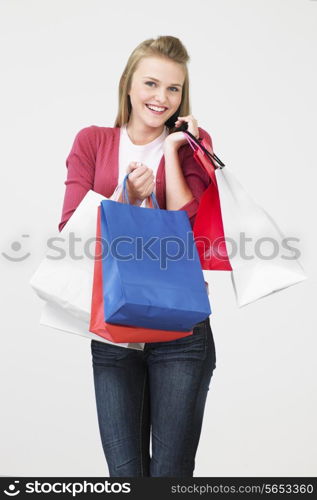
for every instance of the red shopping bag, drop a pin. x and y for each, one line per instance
(208, 226)
(208, 232)
(119, 333)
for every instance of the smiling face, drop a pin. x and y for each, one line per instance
(157, 84)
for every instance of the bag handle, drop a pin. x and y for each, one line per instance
(211, 155)
(125, 196)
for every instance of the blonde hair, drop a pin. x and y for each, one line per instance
(168, 47)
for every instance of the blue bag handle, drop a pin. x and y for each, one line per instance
(125, 196)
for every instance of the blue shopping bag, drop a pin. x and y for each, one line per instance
(152, 276)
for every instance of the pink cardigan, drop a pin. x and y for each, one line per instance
(93, 164)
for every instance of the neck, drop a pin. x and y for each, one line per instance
(140, 134)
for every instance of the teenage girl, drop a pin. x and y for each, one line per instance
(153, 390)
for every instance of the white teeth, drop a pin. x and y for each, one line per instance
(155, 108)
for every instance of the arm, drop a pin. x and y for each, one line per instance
(178, 192)
(80, 165)
(188, 172)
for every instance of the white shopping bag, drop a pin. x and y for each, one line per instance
(55, 317)
(67, 282)
(235, 234)
(272, 266)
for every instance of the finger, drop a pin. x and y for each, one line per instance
(144, 179)
(192, 124)
(130, 168)
(140, 185)
(138, 171)
(135, 164)
(148, 188)
(187, 118)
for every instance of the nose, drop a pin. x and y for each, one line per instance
(160, 97)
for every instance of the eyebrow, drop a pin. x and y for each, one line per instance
(173, 84)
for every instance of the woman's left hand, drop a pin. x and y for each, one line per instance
(177, 139)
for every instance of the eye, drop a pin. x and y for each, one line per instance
(149, 83)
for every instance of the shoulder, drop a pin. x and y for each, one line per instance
(93, 138)
(203, 134)
(94, 134)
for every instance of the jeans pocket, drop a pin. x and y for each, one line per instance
(193, 346)
(102, 352)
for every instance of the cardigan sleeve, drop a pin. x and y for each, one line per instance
(80, 164)
(197, 179)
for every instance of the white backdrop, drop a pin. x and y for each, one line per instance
(253, 88)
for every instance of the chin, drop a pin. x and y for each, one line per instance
(154, 123)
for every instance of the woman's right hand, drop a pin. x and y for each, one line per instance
(141, 182)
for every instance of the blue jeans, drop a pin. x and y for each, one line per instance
(164, 388)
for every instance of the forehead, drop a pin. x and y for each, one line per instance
(161, 68)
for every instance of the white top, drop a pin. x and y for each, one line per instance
(149, 154)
